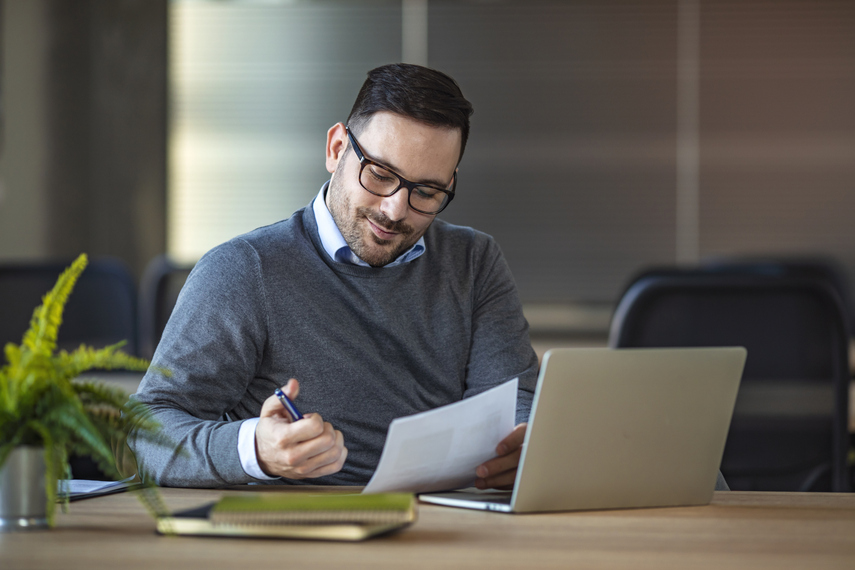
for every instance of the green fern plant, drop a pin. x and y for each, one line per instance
(41, 404)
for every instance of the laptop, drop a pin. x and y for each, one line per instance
(624, 428)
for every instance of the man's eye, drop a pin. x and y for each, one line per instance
(425, 192)
(381, 175)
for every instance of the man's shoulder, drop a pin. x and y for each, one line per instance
(261, 247)
(446, 234)
(263, 239)
(460, 250)
(274, 234)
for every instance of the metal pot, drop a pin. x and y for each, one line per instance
(23, 502)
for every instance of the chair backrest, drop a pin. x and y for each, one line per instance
(161, 283)
(817, 268)
(100, 311)
(790, 426)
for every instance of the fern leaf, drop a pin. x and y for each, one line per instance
(74, 419)
(53, 465)
(108, 358)
(47, 317)
(13, 354)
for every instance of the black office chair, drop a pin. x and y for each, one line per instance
(789, 430)
(100, 311)
(161, 283)
(817, 268)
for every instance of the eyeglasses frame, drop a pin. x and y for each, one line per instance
(402, 182)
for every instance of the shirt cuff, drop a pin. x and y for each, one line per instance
(246, 451)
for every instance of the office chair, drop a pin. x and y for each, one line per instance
(818, 268)
(159, 288)
(100, 311)
(789, 430)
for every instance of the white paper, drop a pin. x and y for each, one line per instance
(440, 449)
(78, 487)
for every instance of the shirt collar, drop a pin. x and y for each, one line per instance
(334, 243)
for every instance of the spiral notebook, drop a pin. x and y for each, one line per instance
(321, 516)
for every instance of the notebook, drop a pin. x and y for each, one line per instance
(322, 516)
(620, 428)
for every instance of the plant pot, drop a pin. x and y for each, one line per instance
(23, 502)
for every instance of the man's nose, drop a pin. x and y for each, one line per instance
(396, 206)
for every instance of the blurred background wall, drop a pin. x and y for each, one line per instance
(84, 117)
(608, 135)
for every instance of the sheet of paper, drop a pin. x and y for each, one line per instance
(440, 449)
(85, 487)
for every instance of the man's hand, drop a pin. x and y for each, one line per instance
(500, 472)
(304, 449)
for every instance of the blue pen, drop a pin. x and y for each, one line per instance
(289, 405)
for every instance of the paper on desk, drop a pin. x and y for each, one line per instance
(440, 449)
(84, 488)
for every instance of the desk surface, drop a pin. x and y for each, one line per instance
(738, 530)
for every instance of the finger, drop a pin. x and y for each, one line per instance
(330, 468)
(509, 453)
(290, 434)
(324, 461)
(504, 480)
(305, 450)
(276, 433)
(274, 438)
(513, 441)
(330, 461)
(273, 407)
(292, 388)
(280, 454)
(499, 464)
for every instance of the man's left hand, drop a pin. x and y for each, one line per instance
(500, 472)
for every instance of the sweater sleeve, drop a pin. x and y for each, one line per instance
(211, 348)
(500, 347)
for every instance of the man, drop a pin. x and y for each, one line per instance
(378, 308)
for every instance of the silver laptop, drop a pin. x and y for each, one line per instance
(621, 428)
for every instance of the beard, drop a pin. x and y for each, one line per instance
(373, 250)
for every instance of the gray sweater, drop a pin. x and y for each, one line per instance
(367, 344)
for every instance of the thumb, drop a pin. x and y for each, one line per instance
(272, 407)
(292, 388)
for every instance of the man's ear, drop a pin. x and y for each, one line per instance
(336, 145)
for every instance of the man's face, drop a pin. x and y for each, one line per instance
(379, 229)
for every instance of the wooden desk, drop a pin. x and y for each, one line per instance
(739, 530)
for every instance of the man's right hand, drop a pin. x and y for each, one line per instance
(304, 449)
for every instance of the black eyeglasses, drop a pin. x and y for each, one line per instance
(381, 181)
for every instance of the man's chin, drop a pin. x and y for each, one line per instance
(379, 259)
(376, 251)
(379, 253)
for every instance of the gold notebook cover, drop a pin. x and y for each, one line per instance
(298, 515)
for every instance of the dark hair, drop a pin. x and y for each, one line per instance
(414, 91)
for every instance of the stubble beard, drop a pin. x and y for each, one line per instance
(353, 228)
